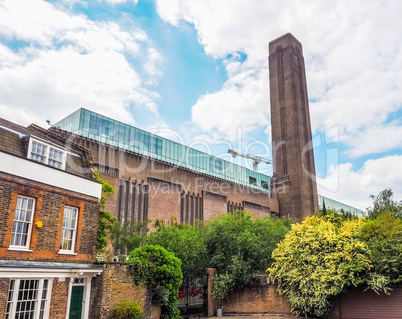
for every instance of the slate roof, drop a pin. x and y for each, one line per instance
(14, 140)
(26, 264)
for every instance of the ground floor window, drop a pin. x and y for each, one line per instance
(28, 299)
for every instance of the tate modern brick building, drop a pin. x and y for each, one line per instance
(157, 178)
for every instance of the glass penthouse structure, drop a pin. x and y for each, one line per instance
(105, 130)
(333, 204)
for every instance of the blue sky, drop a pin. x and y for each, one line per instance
(197, 71)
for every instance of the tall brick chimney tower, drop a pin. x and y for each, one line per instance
(293, 179)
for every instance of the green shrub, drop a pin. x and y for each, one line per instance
(127, 310)
(240, 246)
(383, 237)
(160, 271)
(186, 242)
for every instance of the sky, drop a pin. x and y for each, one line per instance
(196, 71)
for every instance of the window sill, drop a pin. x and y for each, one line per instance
(20, 249)
(62, 252)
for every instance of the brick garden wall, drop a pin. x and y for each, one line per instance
(261, 298)
(115, 285)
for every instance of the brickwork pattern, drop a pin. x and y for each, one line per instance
(213, 204)
(5, 200)
(257, 299)
(58, 305)
(49, 214)
(87, 238)
(163, 200)
(257, 209)
(115, 285)
(4, 285)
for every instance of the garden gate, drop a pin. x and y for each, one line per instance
(193, 299)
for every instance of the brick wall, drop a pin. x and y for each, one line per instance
(87, 238)
(5, 200)
(115, 285)
(213, 204)
(163, 199)
(257, 209)
(4, 285)
(49, 209)
(58, 306)
(259, 298)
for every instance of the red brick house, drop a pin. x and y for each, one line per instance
(49, 209)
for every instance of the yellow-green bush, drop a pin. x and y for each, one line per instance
(127, 310)
(320, 258)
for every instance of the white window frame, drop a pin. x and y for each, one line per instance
(12, 298)
(47, 153)
(72, 228)
(29, 222)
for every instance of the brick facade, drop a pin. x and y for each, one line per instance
(41, 260)
(49, 210)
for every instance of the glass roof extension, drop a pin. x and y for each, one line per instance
(106, 130)
(333, 204)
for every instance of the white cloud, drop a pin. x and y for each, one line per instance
(355, 186)
(243, 101)
(68, 62)
(376, 139)
(152, 65)
(353, 54)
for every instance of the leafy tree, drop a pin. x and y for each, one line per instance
(127, 237)
(324, 209)
(240, 247)
(222, 286)
(320, 258)
(186, 242)
(384, 202)
(160, 271)
(383, 236)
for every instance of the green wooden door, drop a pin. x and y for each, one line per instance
(77, 294)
